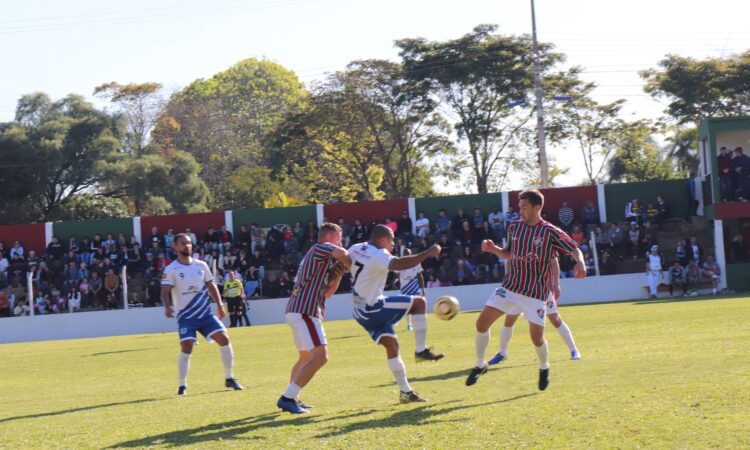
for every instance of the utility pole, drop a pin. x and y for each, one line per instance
(539, 106)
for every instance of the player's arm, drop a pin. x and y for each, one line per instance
(342, 256)
(334, 279)
(579, 271)
(213, 292)
(555, 274)
(166, 300)
(409, 261)
(489, 247)
(420, 277)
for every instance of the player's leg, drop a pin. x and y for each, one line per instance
(492, 311)
(310, 340)
(221, 337)
(536, 332)
(183, 360)
(304, 357)
(564, 331)
(398, 369)
(419, 326)
(506, 333)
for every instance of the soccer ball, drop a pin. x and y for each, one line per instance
(446, 307)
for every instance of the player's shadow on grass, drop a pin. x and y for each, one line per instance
(233, 430)
(421, 415)
(118, 351)
(344, 337)
(454, 374)
(83, 408)
(671, 300)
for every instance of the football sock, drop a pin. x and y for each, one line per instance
(183, 365)
(543, 356)
(566, 336)
(399, 372)
(482, 341)
(419, 326)
(227, 358)
(292, 391)
(505, 334)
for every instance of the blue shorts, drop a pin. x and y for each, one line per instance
(206, 326)
(379, 318)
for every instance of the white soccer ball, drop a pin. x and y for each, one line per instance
(446, 307)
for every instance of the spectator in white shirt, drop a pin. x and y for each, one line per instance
(422, 225)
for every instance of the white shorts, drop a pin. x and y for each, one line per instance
(551, 305)
(307, 331)
(509, 302)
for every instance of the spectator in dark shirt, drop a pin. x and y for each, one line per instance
(590, 214)
(477, 218)
(662, 211)
(740, 166)
(740, 249)
(725, 174)
(404, 228)
(271, 286)
(359, 232)
(443, 224)
(457, 225)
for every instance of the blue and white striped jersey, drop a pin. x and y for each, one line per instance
(189, 290)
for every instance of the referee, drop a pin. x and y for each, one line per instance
(234, 294)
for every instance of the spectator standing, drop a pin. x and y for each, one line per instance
(662, 211)
(603, 242)
(234, 295)
(616, 237)
(725, 174)
(634, 239)
(497, 223)
(692, 202)
(405, 227)
(740, 166)
(681, 253)
(590, 214)
(346, 231)
(566, 217)
(112, 288)
(359, 232)
(694, 250)
(740, 249)
(633, 211)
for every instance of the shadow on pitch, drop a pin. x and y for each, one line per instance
(454, 374)
(118, 351)
(421, 415)
(344, 337)
(233, 430)
(671, 300)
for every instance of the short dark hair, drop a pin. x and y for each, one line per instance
(182, 235)
(533, 196)
(328, 227)
(379, 231)
(738, 149)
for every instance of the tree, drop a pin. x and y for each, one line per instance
(697, 89)
(51, 153)
(223, 121)
(592, 127)
(90, 206)
(479, 77)
(637, 156)
(141, 104)
(682, 148)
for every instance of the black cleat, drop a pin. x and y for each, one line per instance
(182, 391)
(232, 383)
(543, 379)
(474, 375)
(410, 397)
(427, 355)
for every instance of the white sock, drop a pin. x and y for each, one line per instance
(543, 356)
(419, 326)
(505, 334)
(183, 365)
(482, 341)
(566, 336)
(227, 358)
(399, 372)
(292, 391)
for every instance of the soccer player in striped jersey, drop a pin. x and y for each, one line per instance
(371, 262)
(552, 315)
(317, 279)
(411, 282)
(531, 244)
(186, 286)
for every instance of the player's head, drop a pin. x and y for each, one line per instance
(530, 204)
(330, 232)
(183, 245)
(382, 236)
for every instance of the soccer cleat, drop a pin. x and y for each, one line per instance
(474, 375)
(232, 383)
(408, 327)
(543, 379)
(182, 391)
(497, 359)
(410, 397)
(291, 406)
(575, 354)
(304, 405)
(427, 355)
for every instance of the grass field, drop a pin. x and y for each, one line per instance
(661, 374)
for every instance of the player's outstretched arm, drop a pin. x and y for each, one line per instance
(409, 261)
(489, 247)
(166, 300)
(213, 292)
(579, 271)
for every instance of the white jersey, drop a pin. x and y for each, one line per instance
(409, 280)
(189, 290)
(654, 263)
(369, 271)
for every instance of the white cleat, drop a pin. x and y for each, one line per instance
(575, 355)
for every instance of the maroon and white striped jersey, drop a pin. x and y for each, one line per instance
(531, 249)
(309, 284)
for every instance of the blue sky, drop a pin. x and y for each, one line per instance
(72, 46)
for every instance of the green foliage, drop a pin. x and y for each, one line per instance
(655, 391)
(51, 153)
(88, 206)
(477, 76)
(637, 157)
(223, 121)
(697, 89)
(683, 149)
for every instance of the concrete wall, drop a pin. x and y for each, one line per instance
(264, 312)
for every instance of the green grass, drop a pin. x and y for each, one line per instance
(653, 374)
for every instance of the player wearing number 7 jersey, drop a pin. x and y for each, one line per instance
(371, 262)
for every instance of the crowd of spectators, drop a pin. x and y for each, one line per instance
(734, 174)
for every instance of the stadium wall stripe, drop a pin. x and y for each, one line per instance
(229, 222)
(49, 232)
(601, 203)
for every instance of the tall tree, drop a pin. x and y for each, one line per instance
(697, 89)
(142, 105)
(637, 157)
(479, 76)
(223, 121)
